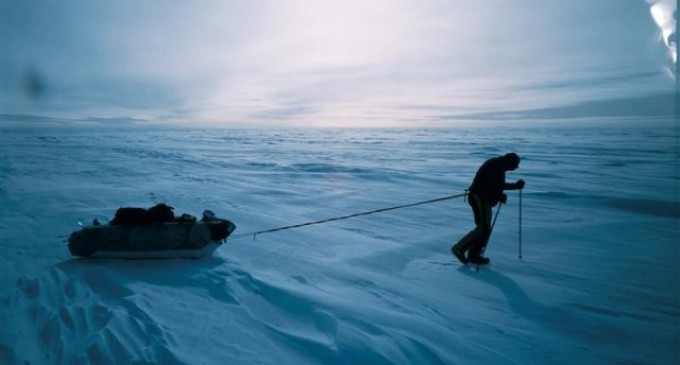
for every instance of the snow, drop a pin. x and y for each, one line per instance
(598, 282)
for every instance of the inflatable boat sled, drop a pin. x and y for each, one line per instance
(182, 237)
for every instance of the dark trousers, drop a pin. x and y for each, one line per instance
(477, 238)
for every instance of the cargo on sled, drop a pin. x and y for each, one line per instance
(154, 233)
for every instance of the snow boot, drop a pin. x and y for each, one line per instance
(460, 255)
(479, 260)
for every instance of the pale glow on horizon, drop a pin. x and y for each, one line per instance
(304, 62)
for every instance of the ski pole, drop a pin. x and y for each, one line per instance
(520, 224)
(490, 230)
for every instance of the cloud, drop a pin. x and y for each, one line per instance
(303, 62)
(29, 120)
(664, 105)
(6, 119)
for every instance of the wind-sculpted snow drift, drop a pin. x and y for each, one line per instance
(597, 284)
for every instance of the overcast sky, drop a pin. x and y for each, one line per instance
(333, 63)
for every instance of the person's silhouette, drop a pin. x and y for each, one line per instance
(484, 193)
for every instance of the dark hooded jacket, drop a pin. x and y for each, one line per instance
(489, 182)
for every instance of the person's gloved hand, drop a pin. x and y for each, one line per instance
(504, 198)
(520, 184)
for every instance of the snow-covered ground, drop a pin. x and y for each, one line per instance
(598, 282)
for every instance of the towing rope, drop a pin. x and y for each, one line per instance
(351, 216)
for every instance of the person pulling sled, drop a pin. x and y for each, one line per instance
(486, 192)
